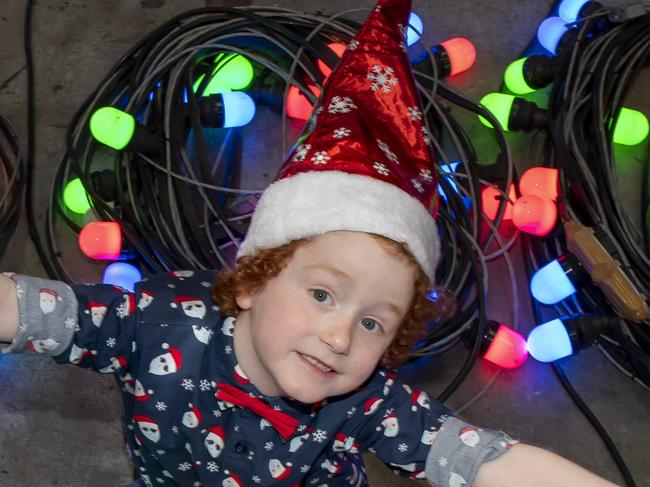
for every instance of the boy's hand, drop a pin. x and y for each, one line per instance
(8, 309)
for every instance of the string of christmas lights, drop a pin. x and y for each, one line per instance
(12, 182)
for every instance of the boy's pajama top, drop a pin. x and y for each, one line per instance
(192, 418)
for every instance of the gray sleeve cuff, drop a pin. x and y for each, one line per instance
(47, 316)
(458, 451)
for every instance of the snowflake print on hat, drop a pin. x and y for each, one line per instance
(301, 152)
(383, 146)
(341, 132)
(382, 78)
(414, 113)
(341, 105)
(426, 175)
(380, 168)
(337, 185)
(320, 157)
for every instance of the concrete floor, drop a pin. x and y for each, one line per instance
(60, 425)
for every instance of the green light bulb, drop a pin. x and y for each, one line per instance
(631, 127)
(75, 197)
(112, 127)
(499, 104)
(514, 78)
(232, 72)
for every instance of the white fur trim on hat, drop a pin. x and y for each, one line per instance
(316, 202)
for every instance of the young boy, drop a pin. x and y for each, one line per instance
(285, 379)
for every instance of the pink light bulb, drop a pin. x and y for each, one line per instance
(534, 214)
(461, 52)
(507, 349)
(540, 181)
(491, 197)
(101, 240)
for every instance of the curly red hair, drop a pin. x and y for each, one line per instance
(253, 272)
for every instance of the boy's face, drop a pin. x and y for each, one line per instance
(320, 327)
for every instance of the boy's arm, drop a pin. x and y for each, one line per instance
(528, 466)
(8, 309)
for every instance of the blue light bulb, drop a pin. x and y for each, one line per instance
(569, 9)
(239, 108)
(549, 341)
(122, 274)
(448, 169)
(550, 32)
(414, 30)
(550, 284)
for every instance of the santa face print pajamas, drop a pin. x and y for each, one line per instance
(192, 417)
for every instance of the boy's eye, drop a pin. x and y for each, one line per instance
(370, 324)
(321, 296)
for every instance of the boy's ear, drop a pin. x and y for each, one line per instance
(244, 300)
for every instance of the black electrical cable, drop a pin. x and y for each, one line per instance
(611, 447)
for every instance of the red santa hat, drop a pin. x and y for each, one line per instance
(46, 290)
(94, 304)
(234, 478)
(467, 429)
(371, 405)
(365, 163)
(139, 418)
(182, 299)
(175, 353)
(239, 375)
(284, 470)
(217, 430)
(416, 397)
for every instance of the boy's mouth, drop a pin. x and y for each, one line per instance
(317, 364)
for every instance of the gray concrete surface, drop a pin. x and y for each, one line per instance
(59, 426)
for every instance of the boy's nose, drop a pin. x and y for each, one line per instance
(337, 334)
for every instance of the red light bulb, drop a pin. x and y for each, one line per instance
(101, 240)
(339, 49)
(539, 181)
(534, 214)
(491, 197)
(505, 346)
(461, 52)
(298, 106)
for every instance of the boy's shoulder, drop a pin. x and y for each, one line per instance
(180, 297)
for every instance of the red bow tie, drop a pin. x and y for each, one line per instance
(283, 423)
